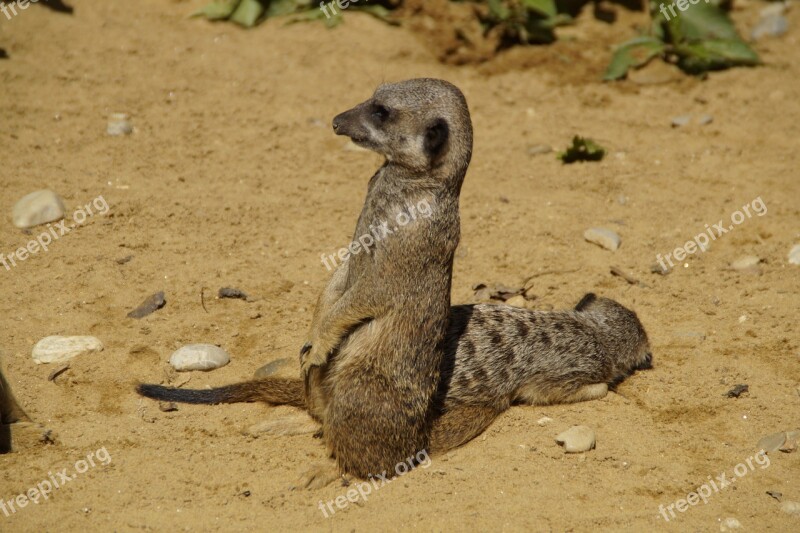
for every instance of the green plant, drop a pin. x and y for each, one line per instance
(582, 149)
(524, 21)
(698, 39)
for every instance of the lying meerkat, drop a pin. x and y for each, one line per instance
(371, 363)
(499, 355)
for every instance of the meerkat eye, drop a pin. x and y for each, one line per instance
(380, 112)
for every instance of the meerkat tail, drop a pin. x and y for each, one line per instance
(275, 391)
(586, 301)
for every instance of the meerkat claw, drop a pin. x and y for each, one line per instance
(304, 350)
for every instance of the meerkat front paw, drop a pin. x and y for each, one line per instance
(315, 352)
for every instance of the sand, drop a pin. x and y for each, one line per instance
(233, 178)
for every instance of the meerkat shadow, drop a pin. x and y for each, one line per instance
(10, 412)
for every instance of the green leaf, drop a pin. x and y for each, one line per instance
(248, 13)
(633, 54)
(582, 149)
(545, 7)
(703, 21)
(715, 54)
(217, 10)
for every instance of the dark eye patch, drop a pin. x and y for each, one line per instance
(380, 112)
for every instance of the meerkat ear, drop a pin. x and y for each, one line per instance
(587, 300)
(436, 138)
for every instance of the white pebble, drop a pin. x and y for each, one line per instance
(791, 507)
(772, 443)
(682, 120)
(603, 237)
(119, 124)
(794, 255)
(746, 263)
(577, 439)
(199, 357)
(36, 208)
(730, 524)
(544, 420)
(56, 349)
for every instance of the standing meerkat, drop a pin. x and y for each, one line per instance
(372, 360)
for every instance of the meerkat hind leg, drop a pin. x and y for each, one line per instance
(588, 392)
(460, 425)
(539, 394)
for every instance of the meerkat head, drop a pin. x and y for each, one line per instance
(623, 331)
(422, 125)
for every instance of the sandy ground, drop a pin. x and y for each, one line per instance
(233, 177)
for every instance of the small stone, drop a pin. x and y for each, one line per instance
(272, 368)
(544, 421)
(680, 121)
(791, 442)
(775, 494)
(772, 443)
(57, 349)
(152, 304)
(517, 301)
(37, 208)
(539, 149)
(747, 263)
(199, 357)
(738, 390)
(603, 237)
(227, 292)
(770, 26)
(729, 524)
(791, 507)
(119, 124)
(704, 120)
(577, 439)
(794, 255)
